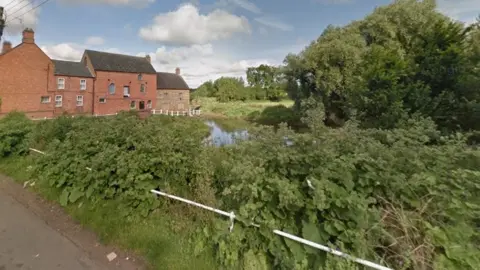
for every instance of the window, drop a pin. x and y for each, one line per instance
(102, 100)
(141, 105)
(180, 96)
(132, 105)
(149, 104)
(60, 83)
(79, 100)
(111, 89)
(140, 77)
(45, 99)
(83, 84)
(142, 88)
(58, 101)
(126, 91)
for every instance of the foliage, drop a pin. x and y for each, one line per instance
(14, 131)
(267, 82)
(128, 157)
(383, 195)
(403, 59)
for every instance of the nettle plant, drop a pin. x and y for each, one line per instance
(394, 197)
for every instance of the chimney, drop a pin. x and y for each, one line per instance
(177, 71)
(7, 46)
(28, 36)
(148, 58)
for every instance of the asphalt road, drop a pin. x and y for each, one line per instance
(27, 242)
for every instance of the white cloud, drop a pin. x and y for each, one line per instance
(186, 26)
(273, 23)
(19, 15)
(95, 41)
(134, 3)
(200, 63)
(64, 51)
(463, 10)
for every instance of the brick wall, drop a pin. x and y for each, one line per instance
(26, 74)
(173, 100)
(116, 102)
(70, 93)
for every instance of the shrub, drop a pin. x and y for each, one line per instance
(14, 133)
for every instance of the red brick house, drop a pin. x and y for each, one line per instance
(26, 78)
(101, 83)
(121, 82)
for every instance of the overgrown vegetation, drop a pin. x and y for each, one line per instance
(395, 181)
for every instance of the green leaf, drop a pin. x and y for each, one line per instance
(75, 194)
(311, 232)
(64, 197)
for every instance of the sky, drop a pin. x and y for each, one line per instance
(206, 39)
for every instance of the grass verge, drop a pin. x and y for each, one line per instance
(163, 239)
(235, 109)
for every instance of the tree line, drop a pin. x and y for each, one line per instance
(263, 83)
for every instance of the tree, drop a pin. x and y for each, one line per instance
(266, 79)
(403, 59)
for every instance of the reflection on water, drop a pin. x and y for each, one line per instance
(220, 137)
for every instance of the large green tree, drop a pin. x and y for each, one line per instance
(403, 59)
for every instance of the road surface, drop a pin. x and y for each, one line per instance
(37, 235)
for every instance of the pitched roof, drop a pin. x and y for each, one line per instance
(172, 81)
(104, 61)
(69, 68)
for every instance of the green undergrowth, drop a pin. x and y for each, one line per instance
(407, 198)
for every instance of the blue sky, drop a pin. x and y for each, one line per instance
(205, 38)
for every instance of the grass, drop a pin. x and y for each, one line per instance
(159, 238)
(235, 109)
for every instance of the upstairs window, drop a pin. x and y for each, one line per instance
(142, 88)
(140, 77)
(111, 89)
(60, 83)
(126, 91)
(83, 84)
(102, 100)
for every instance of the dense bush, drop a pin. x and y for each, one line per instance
(127, 158)
(406, 197)
(388, 196)
(15, 129)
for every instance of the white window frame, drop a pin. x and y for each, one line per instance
(144, 90)
(58, 101)
(126, 90)
(60, 83)
(79, 101)
(83, 84)
(46, 102)
(104, 100)
(149, 104)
